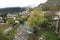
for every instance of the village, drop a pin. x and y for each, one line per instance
(26, 23)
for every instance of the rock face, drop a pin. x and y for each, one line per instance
(50, 3)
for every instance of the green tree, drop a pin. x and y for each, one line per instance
(36, 18)
(10, 20)
(21, 19)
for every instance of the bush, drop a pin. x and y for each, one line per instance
(36, 18)
(48, 35)
(21, 19)
(10, 20)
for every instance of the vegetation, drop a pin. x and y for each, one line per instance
(39, 21)
(21, 19)
(48, 20)
(9, 35)
(47, 35)
(36, 18)
(10, 20)
(52, 8)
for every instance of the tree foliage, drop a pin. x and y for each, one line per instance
(21, 19)
(10, 20)
(36, 18)
(51, 8)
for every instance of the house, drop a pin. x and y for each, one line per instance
(12, 16)
(25, 13)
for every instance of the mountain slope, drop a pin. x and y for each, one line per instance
(11, 9)
(50, 3)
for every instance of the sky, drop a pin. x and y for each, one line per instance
(20, 3)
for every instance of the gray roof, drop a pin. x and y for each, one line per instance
(11, 15)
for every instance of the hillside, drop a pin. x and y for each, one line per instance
(11, 9)
(50, 4)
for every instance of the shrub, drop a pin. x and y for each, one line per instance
(10, 20)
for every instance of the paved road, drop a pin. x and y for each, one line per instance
(22, 32)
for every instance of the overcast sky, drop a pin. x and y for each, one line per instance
(20, 3)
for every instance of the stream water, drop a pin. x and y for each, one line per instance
(22, 32)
